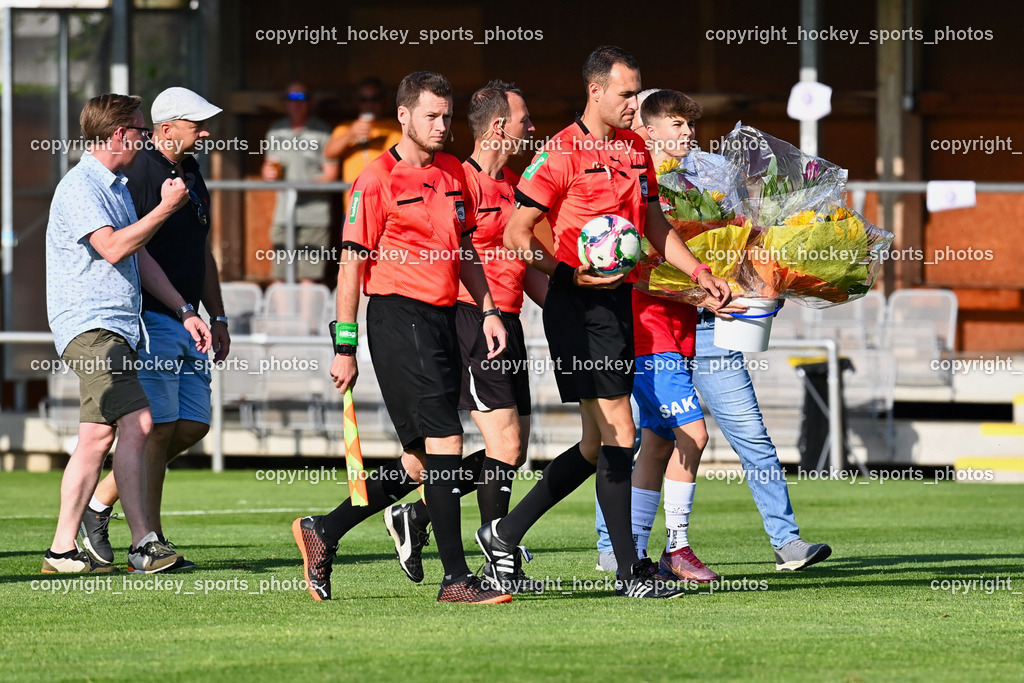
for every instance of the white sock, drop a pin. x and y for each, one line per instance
(678, 504)
(151, 536)
(97, 506)
(643, 509)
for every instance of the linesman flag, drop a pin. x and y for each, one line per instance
(353, 454)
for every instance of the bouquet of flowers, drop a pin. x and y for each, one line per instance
(783, 228)
(704, 220)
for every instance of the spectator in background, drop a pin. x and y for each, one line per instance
(295, 151)
(356, 143)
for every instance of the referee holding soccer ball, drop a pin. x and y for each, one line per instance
(594, 167)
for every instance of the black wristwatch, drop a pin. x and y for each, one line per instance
(187, 308)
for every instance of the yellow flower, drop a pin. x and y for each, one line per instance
(667, 166)
(717, 196)
(800, 218)
(840, 214)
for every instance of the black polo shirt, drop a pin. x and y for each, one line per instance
(179, 246)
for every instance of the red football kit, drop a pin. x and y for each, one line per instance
(409, 221)
(663, 326)
(494, 201)
(579, 177)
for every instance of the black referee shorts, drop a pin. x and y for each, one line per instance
(500, 382)
(590, 337)
(416, 358)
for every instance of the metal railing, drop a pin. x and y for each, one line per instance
(860, 188)
(216, 436)
(291, 190)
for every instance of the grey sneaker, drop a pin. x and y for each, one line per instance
(606, 562)
(152, 557)
(185, 565)
(93, 535)
(799, 553)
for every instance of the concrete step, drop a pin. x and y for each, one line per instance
(1002, 429)
(998, 470)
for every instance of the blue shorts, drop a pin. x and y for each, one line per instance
(663, 389)
(175, 377)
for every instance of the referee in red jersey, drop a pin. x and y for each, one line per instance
(407, 240)
(596, 166)
(495, 391)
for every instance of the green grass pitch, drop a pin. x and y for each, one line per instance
(883, 607)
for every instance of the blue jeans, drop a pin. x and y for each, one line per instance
(727, 393)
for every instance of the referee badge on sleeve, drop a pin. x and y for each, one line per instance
(643, 186)
(460, 211)
(354, 209)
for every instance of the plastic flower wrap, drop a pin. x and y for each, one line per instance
(723, 248)
(703, 220)
(798, 239)
(778, 179)
(818, 260)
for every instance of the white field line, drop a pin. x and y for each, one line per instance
(196, 513)
(188, 513)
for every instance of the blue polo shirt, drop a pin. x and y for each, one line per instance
(84, 291)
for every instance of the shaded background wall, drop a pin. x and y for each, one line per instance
(955, 89)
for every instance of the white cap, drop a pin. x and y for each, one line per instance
(176, 104)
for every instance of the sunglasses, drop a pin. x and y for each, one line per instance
(144, 131)
(201, 213)
(298, 96)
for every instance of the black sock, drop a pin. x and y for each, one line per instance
(470, 475)
(494, 489)
(443, 488)
(562, 477)
(614, 472)
(387, 484)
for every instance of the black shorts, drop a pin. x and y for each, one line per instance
(416, 359)
(500, 382)
(590, 337)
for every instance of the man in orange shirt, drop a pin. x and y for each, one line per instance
(356, 143)
(496, 391)
(410, 223)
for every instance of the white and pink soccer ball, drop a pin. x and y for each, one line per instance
(610, 245)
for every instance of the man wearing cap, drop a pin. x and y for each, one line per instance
(295, 148)
(174, 375)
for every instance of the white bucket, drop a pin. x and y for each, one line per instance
(748, 331)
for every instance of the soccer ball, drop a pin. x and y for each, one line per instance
(610, 245)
